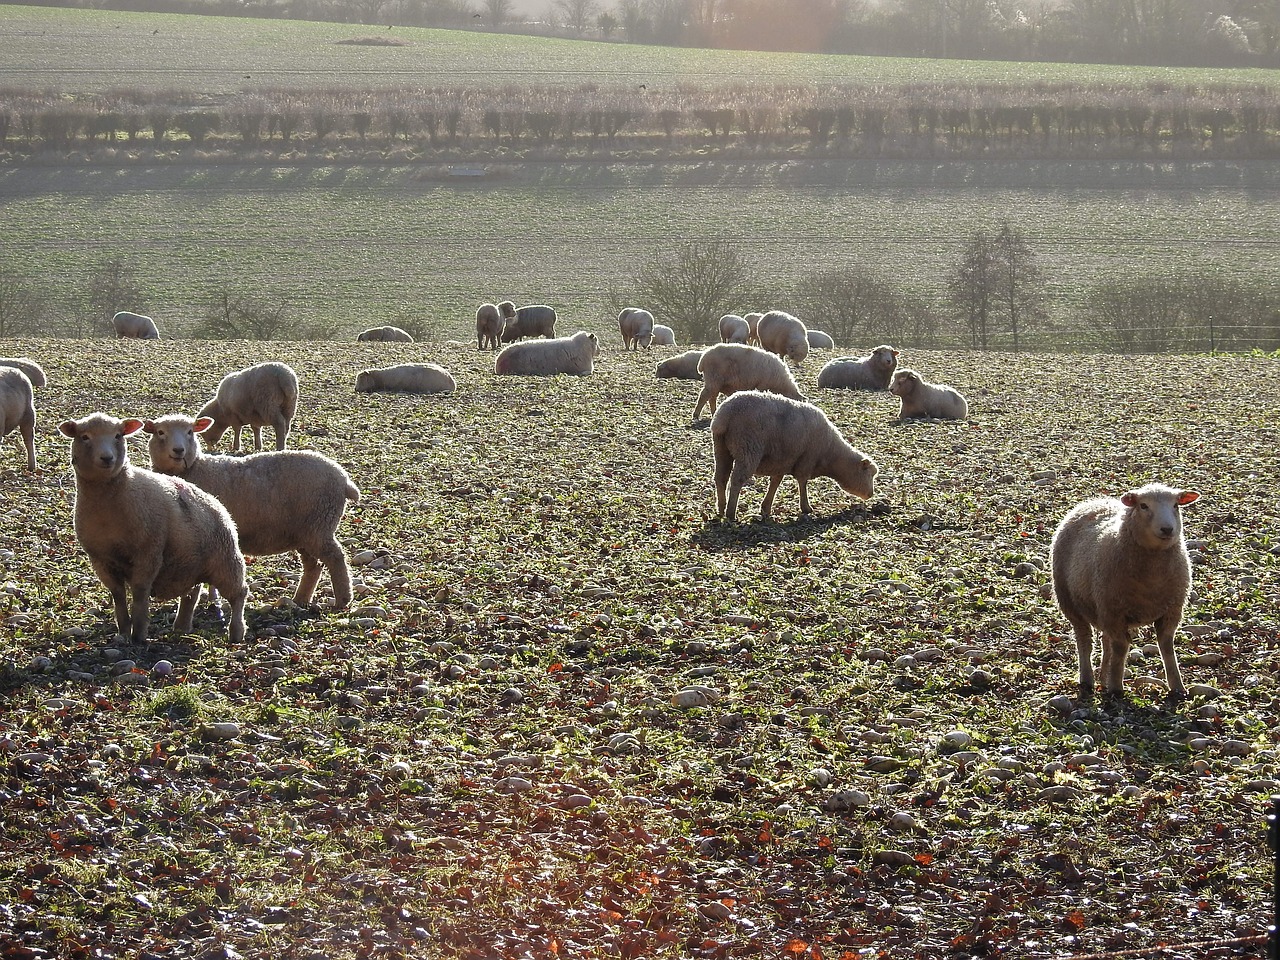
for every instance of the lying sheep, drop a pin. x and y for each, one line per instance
(385, 335)
(758, 434)
(753, 322)
(923, 399)
(545, 358)
(263, 395)
(729, 367)
(158, 536)
(134, 326)
(636, 326)
(663, 336)
(18, 409)
(406, 378)
(488, 326)
(33, 370)
(534, 320)
(872, 372)
(281, 501)
(733, 329)
(820, 341)
(683, 366)
(781, 333)
(1118, 565)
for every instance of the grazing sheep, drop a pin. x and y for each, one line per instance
(819, 340)
(872, 372)
(545, 358)
(734, 329)
(663, 336)
(636, 326)
(263, 395)
(281, 501)
(758, 434)
(534, 320)
(33, 370)
(134, 326)
(18, 409)
(923, 399)
(158, 536)
(783, 334)
(730, 367)
(385, 335)
(683, 366)
(406, 378)
(488, 326)
(753, 322)
(1118, 565)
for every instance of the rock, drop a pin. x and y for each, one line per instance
(691, 697)
(893, 858)
(847, 800)
(223, 730)
(513, 785)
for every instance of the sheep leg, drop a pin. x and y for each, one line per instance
(1115, 651)
(724, 464)
(803, 484)
(235, 627)
(29, 438)
(340, 574)
(187, 609)
(140, 612)
(311, 570)
(739, 474)
(1084, 653)
(281, 427)
(766, 508)
(257, 437)
(120, 601)
(707, 393)
(1165, 627)
(235, 438)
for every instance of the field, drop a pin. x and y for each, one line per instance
(485, 756)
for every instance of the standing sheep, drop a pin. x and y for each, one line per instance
(158, 536)
(783, 334)
(488, 326)
(265, 394)
(18, 409)
(756, 434)
(534, 320)
(753, 323)
(385, 335)
(663, 336)
(730, 367)
(872, 372)
(819, 340)
(683, 366)
(545, 358)
(134, 326)
(406, 378)
(1118, 565)
(734, 329)
(281, 501)
(923, 399)
(636, 326)
(33, 370)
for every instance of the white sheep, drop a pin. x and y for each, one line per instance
(545, 358)
(923, 399)
(683, 366)
(385, 335)
(819, 340)
(406, 378)
(281, 501)
(872, 372)
(263, 395)
(729, 367)
(753, 322)
(663, 336)
(781, 333)
(1119, 564)
(534, 320)
(33, 370)
(18, 409)
(636, 327)
(158, 536)
(759, 434)
(733, 329)
(488, 326)
(134, 326)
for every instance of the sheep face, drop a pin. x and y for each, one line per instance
(174, 445)
(856, 476)
(98, 449)
(904, 383)
(1155, 514)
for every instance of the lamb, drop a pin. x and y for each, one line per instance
(385, 335)
(758, 434)
(281, 501)
(683, 366)
(663, 336)
(545, 358)
(158, 536)
(1118, 565)
(872, 372)
(820, 341)
(534, 320)
(636, 326)
(753, 322)
(783, 334)
(265, 394)
(923, 399)
(488, 326)
(406, 378)
(134, 326)
(33, 370)
(734, 329)
(730, 367)
(18, 409)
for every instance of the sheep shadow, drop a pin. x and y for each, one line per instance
(1152, 732)
(718, 536)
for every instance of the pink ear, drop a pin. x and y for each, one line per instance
(131, 426)
(1128, 499)
(1187, 496)
(203, 424)
(149, 426)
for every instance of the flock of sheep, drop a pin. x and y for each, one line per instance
(1117, 564)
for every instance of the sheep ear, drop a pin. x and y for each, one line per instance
(69, 429)
(202, 424)
(1187, 496)
(131, 426)
(1128, 499)
(149, 426)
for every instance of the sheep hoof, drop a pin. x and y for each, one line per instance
(1174, 697)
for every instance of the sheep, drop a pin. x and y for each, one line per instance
(783, 334)
(733, 329)
(159, 536)
(872, 372)
(663, 336)
(33, 370)
(281, 501)
(488, 326)
(683, 366)
(1119, 564)
(265, 394)
(923, 399)
(759, 434)
(546, 358)
(385, 335)
(636, 326)
(406, 378)
(819, 340)
(134, 326)
(730, 367)
(753, 321)
(534, 320)
(18, 409)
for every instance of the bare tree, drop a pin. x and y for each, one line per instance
(113, 287)
(22, 306)
(971, 290)
(859, 305)
(693, 286)
(1019, 289)
(577, 15)
(497, 11)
